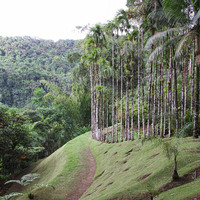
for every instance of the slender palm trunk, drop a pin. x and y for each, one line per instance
(92, 103)
(182, 98)
(127, 107)
(139, 136)
(143, 117)
(149, 100)
(103, 111)
(132, 105)
(185, 79)
(170, 92)
(117, 91)
(192, 84)
(107, 114)
(196, 112)
(121, 99)
(175, 96)
(96, 106)
(113, 92)
(165, 107)
(159, 103)
(154, 100)
(100, 106)
(161, 100)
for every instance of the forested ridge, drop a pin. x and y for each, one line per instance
(25, 61)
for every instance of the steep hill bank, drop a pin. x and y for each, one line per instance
(125, 170)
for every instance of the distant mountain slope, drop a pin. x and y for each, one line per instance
(24, 61)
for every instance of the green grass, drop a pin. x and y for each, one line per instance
(122, 175)
(118, 175)
(60, 169)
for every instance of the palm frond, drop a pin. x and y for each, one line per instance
(185, 38)
(155, 53)
(161, 48)
(187, 128)
(158, 36)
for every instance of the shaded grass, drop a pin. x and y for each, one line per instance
(59, 169)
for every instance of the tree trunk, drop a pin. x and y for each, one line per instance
(192, 80)
(185, 78)
(103, 111)
(113, 92)
(121, 100)
(143, 117)
(92, 103)
(149, 100)
(154, 100)
(170, 92)
(161, 94)
(165, 107)
(117, 91)
(196, 113)
(139, 136)
(127, 108)
(175, 96)
(132, 105)
(182, 98)
(175, 173)
(97, 107)
(107, 119)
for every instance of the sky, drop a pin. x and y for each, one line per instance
(54, 19)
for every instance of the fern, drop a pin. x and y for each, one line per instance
(10, 196)
(187, 128)
(25, 180)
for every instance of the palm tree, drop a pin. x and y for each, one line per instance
(188, 27)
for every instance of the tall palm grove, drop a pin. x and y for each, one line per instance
(144, 71)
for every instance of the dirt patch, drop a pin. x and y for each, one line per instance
(128, 152)
(85, 177)
(196, 197)
(126, 169)
(145, 176)
(196, 140)
(109, 183)
(155, 155)
(99, 185)
(182, 180)
(99, 175)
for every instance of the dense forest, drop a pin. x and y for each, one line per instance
(41, 108)
(136, 77)
(25, 61)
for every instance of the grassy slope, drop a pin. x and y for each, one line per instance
(122, 174)
(59, 169)
(118, 174)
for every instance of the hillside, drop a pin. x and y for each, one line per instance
(24, 61)
(127, 170)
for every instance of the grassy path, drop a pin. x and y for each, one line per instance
(84, 178)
